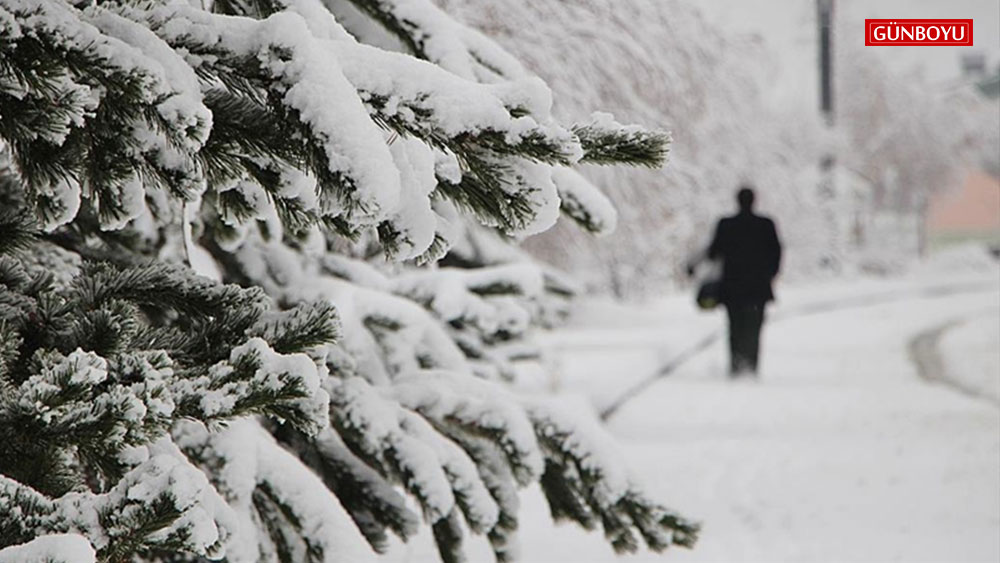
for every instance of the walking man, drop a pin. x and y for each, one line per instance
(748, 246)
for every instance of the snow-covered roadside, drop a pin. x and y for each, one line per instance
(970, 352)
(839, 453)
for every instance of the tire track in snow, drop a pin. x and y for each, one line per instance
(818, 307)
(925, 352)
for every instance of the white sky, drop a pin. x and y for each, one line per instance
(789, 26)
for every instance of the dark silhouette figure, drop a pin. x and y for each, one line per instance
(748, 246)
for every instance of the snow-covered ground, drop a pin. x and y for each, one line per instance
(971, 354)
(840, 452)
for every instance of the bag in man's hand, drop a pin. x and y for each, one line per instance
(709, 275)
(709, 294)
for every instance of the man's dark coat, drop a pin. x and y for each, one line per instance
(751, 255)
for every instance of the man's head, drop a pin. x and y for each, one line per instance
(745, 198)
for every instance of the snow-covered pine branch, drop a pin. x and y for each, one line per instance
(584, 485)
(163, 503)
(606, 141)
(261, 143)
(93, 374)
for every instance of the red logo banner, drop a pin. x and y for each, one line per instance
(918, 32)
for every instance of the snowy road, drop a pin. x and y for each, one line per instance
(842, 452)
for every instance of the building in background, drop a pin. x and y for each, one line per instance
(971, 212)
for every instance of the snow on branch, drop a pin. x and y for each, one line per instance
(282, 509)
(161, 504)
(446, 111)
(431, 34)
(86, 400)
(279, 59)
(583, 202)
(585, 482)
(373, 428)
(485, 310)
(144, 118)
(371, 499)
(255, 379)
(51, 548)
(469, 403)
(606, 141)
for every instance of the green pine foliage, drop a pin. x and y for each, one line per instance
(258, 293)
(99, 364)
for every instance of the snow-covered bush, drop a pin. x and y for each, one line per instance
(346, 383)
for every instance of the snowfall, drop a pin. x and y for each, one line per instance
(872, 433)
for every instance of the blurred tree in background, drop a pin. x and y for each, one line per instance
(666, 62)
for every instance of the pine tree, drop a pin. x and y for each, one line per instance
(360, 205)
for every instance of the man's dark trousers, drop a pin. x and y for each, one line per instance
(745, 321)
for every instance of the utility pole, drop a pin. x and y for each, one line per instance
(830, 259)
(825, 18)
